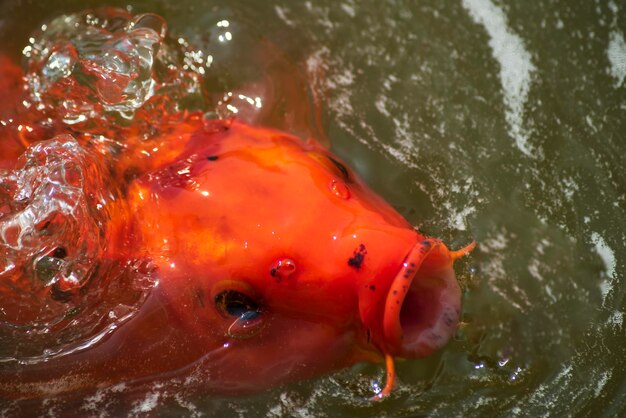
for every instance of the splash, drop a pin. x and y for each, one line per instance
(49, 221)
(98, 68)
(52, 221)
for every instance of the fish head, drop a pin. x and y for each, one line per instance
(279, 263)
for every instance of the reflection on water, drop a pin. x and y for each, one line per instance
(496, 121)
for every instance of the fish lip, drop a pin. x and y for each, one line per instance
(422, 307)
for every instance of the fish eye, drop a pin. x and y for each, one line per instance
(237, 305)
(334, 165)
(345, 173)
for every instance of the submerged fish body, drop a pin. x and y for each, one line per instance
(271, 261)
(202, 255)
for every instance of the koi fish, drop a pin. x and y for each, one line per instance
(272, 262)
(216, 257)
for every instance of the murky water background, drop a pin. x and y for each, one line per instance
(502, 122)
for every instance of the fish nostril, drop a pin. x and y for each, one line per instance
(283, 269)
(339, 189)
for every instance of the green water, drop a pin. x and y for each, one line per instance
(502, 122)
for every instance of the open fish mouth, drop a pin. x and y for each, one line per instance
(423, 304)
(422, 307)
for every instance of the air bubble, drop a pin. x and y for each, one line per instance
(106, 65)
(50, 233)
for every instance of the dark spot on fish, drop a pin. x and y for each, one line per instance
(273, 273)
(357, 257)
(447, 320)
(372, 287)
(397, 302)
(131, 173)
(369, 335)
(426, 245)
(200, 297)
(59, 252)
(60, 295)
(395, 292)
(212, 157)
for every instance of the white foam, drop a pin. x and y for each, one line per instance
(460, 217)
(604, 378)
(516, 65)
(338, 84)
(617, 319)
(608, 258)
(616, 53)
(349, 8)
(399, 155)
(288, 406)
(381, 105)
(282, 14)
(148, 404)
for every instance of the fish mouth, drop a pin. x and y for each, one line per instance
(422, 307)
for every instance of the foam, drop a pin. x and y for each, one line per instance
(616, 49)
(516, 65)
(617, 319)
(608, 258)
(602, 381)
(616, 52)
(148, 404)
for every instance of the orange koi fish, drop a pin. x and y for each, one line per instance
(271, 261)
(217, 257)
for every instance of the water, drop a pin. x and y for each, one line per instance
(493, 121)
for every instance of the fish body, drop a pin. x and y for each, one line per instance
(196, 254)
(270, 261)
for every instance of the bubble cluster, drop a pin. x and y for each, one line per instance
(51, 221)
(96, 84)
(99, 67)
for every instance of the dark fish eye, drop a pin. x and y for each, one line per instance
(236, 304)
(342, 168)
(332, 164)
(59, 252)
